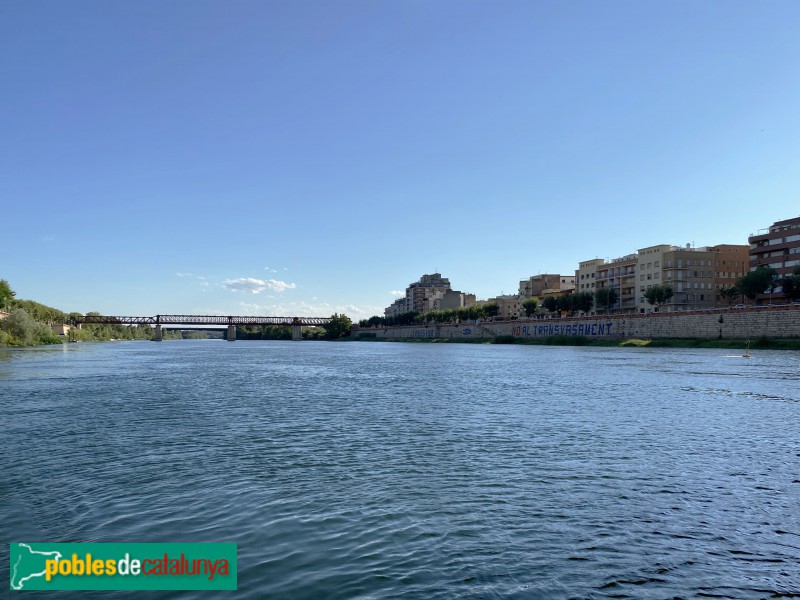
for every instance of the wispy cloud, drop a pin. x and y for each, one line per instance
(256, 286)
(397, 293)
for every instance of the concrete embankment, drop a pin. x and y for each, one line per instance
(774, 322)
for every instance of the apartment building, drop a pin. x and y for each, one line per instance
(648, 272)
(396, 308)
(586, 275)
(730, 263)
(620, 275)
(778, 247)
(690, 273)
(417, 293)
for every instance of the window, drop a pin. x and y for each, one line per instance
(655, 264)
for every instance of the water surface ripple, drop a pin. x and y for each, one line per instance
(385, 470)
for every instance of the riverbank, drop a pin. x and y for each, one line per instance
(717, 326)
(760, 343)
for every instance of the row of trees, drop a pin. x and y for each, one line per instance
(763, 280)
(450, 315)
(338, 327)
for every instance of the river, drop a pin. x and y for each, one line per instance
(400, 470)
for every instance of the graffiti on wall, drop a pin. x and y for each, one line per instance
(587, 329)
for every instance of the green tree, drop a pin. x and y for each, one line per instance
(338, 327)
(550, 304)
(529, 306)
(23, 330)
(6, 294)
(730, 293)
(582, 301)
(492, 309)
(758, 282)
(605, 297)
(790, 284)
(565, 303)
(658, 295)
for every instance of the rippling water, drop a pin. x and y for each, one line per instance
(386, 470)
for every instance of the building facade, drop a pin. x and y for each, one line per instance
(586, 275)
(730, 263)
(619, 275)
(539, 285)
(509, 305)
(648, 272)
(778, 247)
(417, 293)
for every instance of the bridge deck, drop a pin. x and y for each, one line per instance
(201, 320)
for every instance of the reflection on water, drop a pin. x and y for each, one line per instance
(416, 470)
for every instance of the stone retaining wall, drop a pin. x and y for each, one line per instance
(750, 323)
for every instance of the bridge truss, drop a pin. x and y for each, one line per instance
(201, 320)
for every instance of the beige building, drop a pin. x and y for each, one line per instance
(509, 306)
(449, 299)
(648, 272)
(396, 308)
(537, 285)
(586, 275)
(620, 275)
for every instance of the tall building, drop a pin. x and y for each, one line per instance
(731, 262)
(690, 273)
(778, 247)
(419, 295)
(586, 275)
(620, 275)
(418, 292)
(648, 272)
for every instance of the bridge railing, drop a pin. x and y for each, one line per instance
(200, 320)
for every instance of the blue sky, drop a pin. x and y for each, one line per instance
(304, 157)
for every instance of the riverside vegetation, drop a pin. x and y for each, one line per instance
(30, 323)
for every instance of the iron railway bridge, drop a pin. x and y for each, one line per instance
(230, 322)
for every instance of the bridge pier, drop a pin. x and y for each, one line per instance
(297, 332)
(231, 337)
(159, 335)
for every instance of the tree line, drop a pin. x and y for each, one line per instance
(449, 315)
(763, 280)
(338, 327)
(30, 323)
